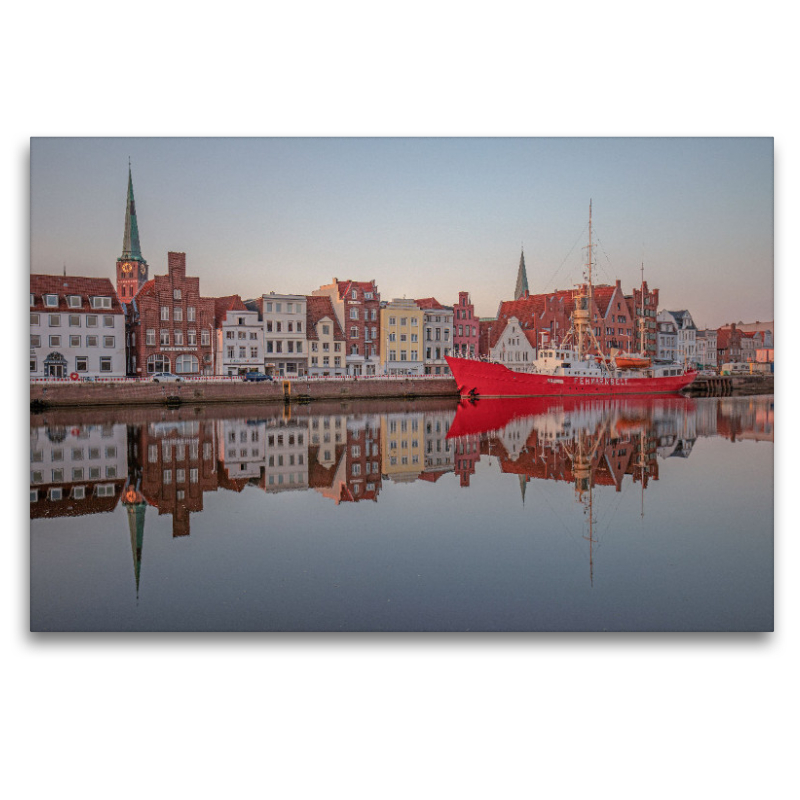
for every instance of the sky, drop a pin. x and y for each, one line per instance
(422, 216)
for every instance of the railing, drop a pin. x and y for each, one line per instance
(240, 379)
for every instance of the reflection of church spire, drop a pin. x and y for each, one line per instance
(521, 289)
(136, 506)
(523, 482)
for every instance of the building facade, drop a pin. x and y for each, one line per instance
(326, 340)
(437, 335)
(285, 343)
(706, 352)
(357, 307)
(172, 326)
(667, 340)
(402, 326)
(687, 335)
(239, 338)
(77, 328)
(643, 309)
(466, 332)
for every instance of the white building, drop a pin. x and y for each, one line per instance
(513, 347)
(77, 328)
(437, 330)
(706, 353)
(283, 317)
(239, 344)
(686, 350)
(326, 341)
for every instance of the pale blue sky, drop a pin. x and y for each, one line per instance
(424, 216)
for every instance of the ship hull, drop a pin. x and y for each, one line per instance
(485, 379)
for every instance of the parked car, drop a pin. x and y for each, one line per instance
(165, 377)
(257, 376)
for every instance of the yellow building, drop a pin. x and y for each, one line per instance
(402, 446)
(401, 329)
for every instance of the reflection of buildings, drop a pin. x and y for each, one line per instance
(403, 444)
(178, 466)
(77, 470)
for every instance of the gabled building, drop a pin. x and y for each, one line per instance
(466, 334)
(77, 328)
(667, 340)
(326, 340)
(729, 345)
(239, 338)
(357, 307)
(172, 326)
(687, 335)
(643, 308)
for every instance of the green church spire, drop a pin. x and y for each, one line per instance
(130, 242)
(522, 279)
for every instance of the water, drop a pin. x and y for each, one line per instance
(529, 515)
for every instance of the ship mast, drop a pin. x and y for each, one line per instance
(641, 317)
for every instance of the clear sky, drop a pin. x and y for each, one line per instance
(422, 216)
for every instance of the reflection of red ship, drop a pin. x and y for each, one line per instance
(631, 412)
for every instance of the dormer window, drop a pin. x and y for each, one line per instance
(368, 295)
(101, 302)
(51, 300)
(74, 301)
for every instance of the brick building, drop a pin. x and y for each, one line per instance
(643, 306)
(172, 327)
(465, 328)
(357, 307)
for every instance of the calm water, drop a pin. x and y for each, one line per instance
(534, 515)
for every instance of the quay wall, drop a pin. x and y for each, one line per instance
(54, 394)
(731, 386)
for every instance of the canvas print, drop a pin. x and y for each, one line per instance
(401, 384)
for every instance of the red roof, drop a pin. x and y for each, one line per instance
(429, 302)
(344, 287)
(317, 308)
(66, 285)
(222, 305)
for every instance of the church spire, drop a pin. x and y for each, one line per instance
(522, 279)
(130, 241)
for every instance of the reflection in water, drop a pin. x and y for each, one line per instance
(84, 463)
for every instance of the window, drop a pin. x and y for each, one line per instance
(150, 337)
(176, 294)
(91, 320)
(165, 313)
(277, 308)
(108, 322)
(36, 341)
(158, 363)
(51, 300)
(33, 365)
(354, 294)
(91, 341)
(55, 341)
(353, 313)
(192, 337)
(101, 302)
(354, 333)
(164, 337)
(186, 364)
(74, 301)
(34, 319)
(81, 363)
(178, 314)
(55, 320)
(105, 364)
(392, 337)
(108, 341)
(190, 314)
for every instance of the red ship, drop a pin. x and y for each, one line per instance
(576, 367)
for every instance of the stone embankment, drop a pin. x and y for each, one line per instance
(731, 386)
(55, 394)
